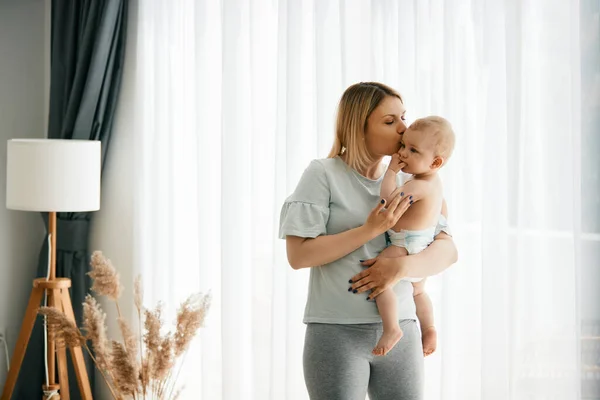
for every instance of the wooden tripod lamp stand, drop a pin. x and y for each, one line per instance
(52, 175)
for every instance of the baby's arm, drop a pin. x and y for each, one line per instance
(389, 179)
(388, 185)
(418, 189)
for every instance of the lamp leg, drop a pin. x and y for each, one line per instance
(76, 353)
(51, 345)
(35, 299)
(61, 351)
(63, 373)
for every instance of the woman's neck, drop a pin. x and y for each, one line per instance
(373, 171)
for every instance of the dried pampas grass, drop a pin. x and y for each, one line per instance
(143, 365)
(61, 328)
(190, 318)
(124, 371)
(94, 323)
(105, 276)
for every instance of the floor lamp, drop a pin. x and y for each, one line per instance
(51, 175)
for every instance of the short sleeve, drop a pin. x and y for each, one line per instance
(442, 226)
(306, 211)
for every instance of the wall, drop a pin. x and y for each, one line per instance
(24, 46)
(112, 226)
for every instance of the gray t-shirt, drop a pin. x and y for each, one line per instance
(331, 198)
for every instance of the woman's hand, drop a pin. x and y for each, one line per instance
(381, 219)
(381, 274)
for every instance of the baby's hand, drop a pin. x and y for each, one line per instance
(396, 164)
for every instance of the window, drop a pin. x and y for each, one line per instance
(590, 194)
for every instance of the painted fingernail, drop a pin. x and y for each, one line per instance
(350, 281)
(410, 202)
(401, 193)
(354, 291)
(410, 197)
(368, 298)
(349, 289)
(361, 260)
(382, 201)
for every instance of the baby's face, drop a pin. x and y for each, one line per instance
(417, 151)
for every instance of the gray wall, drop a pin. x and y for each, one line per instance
(112, 226)
(24, 42)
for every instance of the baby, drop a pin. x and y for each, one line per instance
(426, 146)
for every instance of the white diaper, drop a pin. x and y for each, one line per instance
(413, 241)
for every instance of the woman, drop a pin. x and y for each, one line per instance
(330, 226)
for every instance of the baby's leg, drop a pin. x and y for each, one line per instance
(425, 315)
(388, 309)
(386, 304)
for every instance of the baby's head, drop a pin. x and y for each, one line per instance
(427, 145)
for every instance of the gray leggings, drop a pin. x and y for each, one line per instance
(338, 364)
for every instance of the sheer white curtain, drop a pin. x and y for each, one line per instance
(233, 98)
(507, 75)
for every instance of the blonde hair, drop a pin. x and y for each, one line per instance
(355, 107)
(442, 133)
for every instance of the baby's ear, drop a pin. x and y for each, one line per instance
(437, 162)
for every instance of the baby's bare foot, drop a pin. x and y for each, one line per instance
(429, 338)
(388, 340)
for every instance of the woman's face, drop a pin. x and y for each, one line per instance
(385, 127)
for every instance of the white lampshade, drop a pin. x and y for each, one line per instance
(53, 175)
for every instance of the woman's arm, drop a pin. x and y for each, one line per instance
(313, 252)
(386, 272)
(307, 252)
(438, 256)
